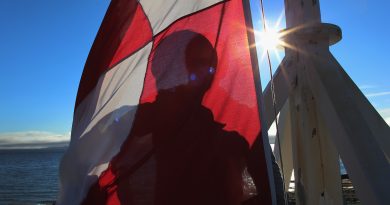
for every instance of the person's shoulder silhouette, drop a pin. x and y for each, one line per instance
(195, 161)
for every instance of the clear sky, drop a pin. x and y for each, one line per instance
(44, 45)
(363, 50)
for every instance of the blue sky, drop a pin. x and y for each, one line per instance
(363, 50)
(44, 45)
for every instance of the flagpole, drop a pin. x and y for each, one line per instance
(259, 94)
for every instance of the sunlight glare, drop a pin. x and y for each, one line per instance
(269, 40)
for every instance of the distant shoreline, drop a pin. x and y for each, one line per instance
(37, 149)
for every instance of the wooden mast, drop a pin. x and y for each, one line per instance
(323, 114)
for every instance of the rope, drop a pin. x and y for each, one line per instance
(274, 102)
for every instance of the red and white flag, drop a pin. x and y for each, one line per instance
(166, 111)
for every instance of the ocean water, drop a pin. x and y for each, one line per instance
(29, 176)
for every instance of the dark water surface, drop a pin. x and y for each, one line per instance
(29, 176)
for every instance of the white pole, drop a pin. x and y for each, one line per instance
(330, 116)
(256, 75)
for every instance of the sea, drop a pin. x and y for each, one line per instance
(29, 176)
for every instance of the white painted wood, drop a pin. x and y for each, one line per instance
(372, 118)
(285, 132)
(314, 165)
(357, 130)
(284, 81)
(330, 165)
(327, 100)
(301, 12)
(346, 123)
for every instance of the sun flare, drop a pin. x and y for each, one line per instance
(270, 39)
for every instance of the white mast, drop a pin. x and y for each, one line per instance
(323, 114)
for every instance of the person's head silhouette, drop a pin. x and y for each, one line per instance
(184, 63)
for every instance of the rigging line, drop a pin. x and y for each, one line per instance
(274, 103)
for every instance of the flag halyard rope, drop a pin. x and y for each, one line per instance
(274, 102)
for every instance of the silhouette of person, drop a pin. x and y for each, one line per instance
(196, 161)
(176, 153)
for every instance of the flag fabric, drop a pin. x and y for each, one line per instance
(166, 111)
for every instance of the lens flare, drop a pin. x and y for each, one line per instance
(269, 39)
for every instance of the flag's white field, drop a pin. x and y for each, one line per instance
(162, 13)
(116, 103)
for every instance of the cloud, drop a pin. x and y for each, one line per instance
(387, 120)
(378, 94)
(385, 113)
(363, 87)
(33, 140)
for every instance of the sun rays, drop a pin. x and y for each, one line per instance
(270, 39)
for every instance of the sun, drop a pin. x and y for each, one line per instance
(270, 39)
